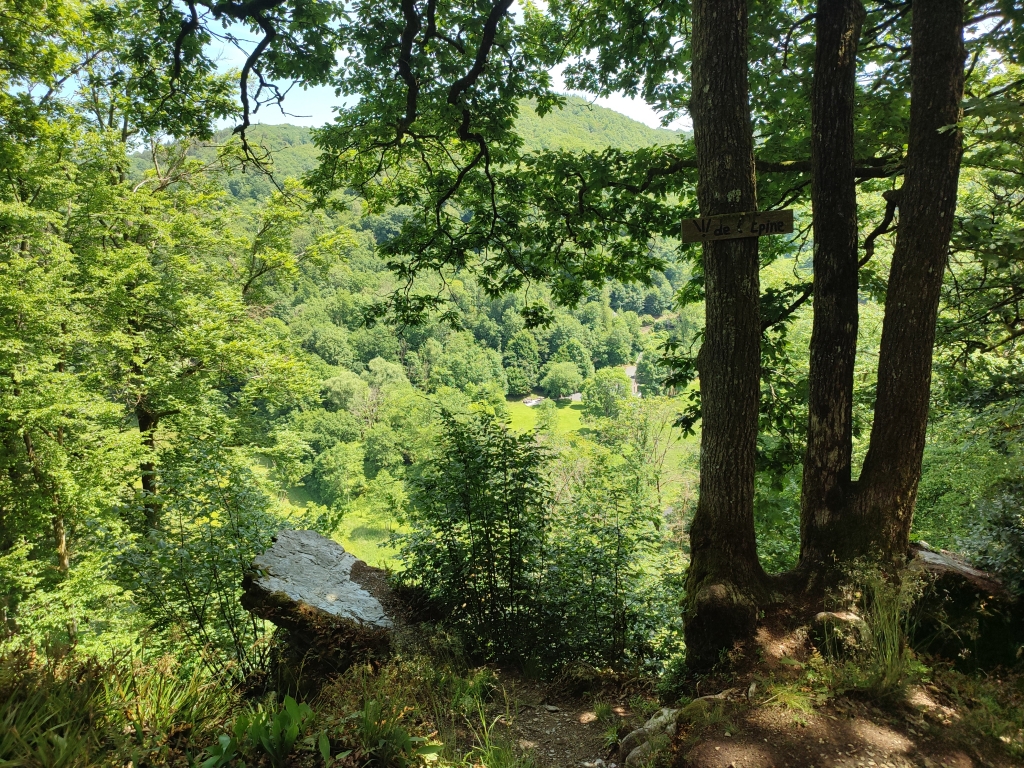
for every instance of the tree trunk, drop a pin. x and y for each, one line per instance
(826, 480)
(881, 510)
(60, 543)
(148, 423)
(725, 579)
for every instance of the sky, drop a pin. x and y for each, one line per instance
(315, 106)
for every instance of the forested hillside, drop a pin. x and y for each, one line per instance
(456, 331)
(578, 126)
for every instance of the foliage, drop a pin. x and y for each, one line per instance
(884, 665)
(574, 351)
(74, 713)
(187, 574)
(561, 380)
(588, 581)
(991, 706)
(272, 731)
(605, 391)
(479, 518)
(994, 537)
(187, 361)
(385, 742)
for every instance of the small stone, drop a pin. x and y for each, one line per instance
(551, 708)
(839, 633)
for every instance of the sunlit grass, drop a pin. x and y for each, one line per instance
(366, 536)
(524, 418)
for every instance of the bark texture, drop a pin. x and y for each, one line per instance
(725, 579)
(878, 521)
(826, 479)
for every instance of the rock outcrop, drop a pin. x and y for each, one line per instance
(330, 604)
(965, 615)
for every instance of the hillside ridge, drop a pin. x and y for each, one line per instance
(579, 126)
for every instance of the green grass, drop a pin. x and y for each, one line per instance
(524, 418)
(366, 536)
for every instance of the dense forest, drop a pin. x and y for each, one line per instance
(457, 332)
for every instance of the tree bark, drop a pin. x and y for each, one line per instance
(833, 352)
(148, 423)
(881, 510)
(725, 580)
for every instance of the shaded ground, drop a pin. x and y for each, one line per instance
(921, 732)
(777, 713)
(560, 737)
(845, 733)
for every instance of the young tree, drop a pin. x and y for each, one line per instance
(604, 392)
(522, 362)
(561, 380)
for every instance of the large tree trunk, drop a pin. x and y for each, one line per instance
(880, 512)
(826, 480)
(725, 579)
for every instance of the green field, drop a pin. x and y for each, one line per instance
(367, 537)
(524, 417)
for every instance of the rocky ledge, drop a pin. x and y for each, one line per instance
(965, 615)
(330, 604)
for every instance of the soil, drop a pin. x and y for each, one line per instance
(568, 734)
(846, 732)
(759, 728)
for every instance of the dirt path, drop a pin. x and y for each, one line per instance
(842, 733)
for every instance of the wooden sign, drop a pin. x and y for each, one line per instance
(738, 225)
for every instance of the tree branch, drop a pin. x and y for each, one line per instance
(892, 202)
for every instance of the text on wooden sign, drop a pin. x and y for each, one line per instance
(735, 225)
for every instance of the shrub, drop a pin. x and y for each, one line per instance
(995, 536)
(478, 531)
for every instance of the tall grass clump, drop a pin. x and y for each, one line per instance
(880, 661)
(86, 713)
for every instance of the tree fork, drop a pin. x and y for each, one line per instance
(833, 351)
(725, 581)
(881, 510)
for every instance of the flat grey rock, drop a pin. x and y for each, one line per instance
(307, 569)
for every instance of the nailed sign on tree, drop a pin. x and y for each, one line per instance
(735, 225)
